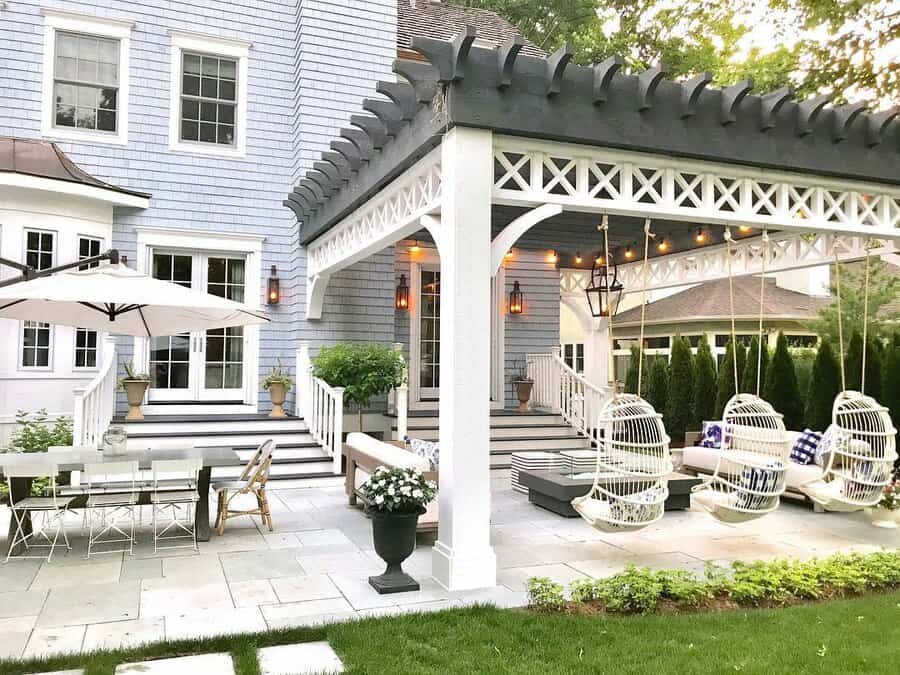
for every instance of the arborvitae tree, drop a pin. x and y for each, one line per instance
(631, 377)
(704, 385)
(781, 389)
(725, 382)
(679, 410)
(748, 377)
(824, 385)
(890, 382)
(853, 366)
(658, 384)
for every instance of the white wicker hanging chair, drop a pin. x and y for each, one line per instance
(633, 462)
(630, 485)
(749, 477)
(861, 457)
(863, 437)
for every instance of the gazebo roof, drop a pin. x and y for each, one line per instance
(43, 159)
(511, 93)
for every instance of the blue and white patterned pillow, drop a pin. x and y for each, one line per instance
(759, 480)
(712, 435)
(804, 450)
(834, 437)
(430, 450)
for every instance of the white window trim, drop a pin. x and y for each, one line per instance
(40, 230)
(216, 46)
(90, 25)
(50, 350)
(81, 369)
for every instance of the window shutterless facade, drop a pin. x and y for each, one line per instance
(208, 99)
(39, 249)
(37, 337)
(86, 82)
(85, 338)
(88, 247)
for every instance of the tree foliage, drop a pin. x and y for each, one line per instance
(840, 46)
(824, 386)
(884, 289)
(679, 409)
(658, 385)
(725, 383)
(704, 385)
(631, 377)
(853, 366)
(890, 381)
(748, 376)
(781, 389)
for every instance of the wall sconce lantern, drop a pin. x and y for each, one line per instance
(605, 289)
(273, 289)
(516, 299)
(401, 295)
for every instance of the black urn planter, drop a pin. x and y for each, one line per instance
(395, 540)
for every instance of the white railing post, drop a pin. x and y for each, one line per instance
(78, 416)
(301, 370)
(400, 396)
(94, 404)
(337, 428)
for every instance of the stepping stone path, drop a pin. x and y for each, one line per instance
(301, 659)
(220, 664)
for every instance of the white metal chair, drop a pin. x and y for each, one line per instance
(74, 488)
(112, 489)
(174, 494)
(51, 508)
(253, 481)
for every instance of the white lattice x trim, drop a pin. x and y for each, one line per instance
(389, 217)
(787, 251)
(530, 172)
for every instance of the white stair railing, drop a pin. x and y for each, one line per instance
(559, 388)
(322, 406)
(95, 404)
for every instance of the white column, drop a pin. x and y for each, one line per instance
(597, 352)
(463, 557)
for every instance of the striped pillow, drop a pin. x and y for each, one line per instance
(804, 450)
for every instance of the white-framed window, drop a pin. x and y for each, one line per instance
(573, 355)
(89, 247)
(85, 338)
(37, 344)
(86, 78)
(85, 349)
(37, 338)
(208, 99)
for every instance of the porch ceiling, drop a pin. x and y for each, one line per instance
(518, 95)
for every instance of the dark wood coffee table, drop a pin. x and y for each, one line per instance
(555, 491)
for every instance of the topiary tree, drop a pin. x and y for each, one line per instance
(364, 370)
(658, 384)
(631, 377)
(824, 385)
(725, 383)
(748, 375)
(704, 384)
(890, 381)
(853, 366)
(679, 411)
(781, 389)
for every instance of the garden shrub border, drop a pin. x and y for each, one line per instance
(777, 583)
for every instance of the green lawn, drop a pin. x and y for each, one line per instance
(852, 636)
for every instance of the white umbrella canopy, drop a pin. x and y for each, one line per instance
(118, 299)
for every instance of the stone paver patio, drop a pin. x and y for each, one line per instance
(314, 567)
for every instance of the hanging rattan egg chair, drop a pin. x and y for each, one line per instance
(630, 484)
(749, 477)
(863, 446)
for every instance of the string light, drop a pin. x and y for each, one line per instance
(509, 254)
(629, 252)
(744, 229)
(599, 259)
(577, 257)
(700, 237)
(553, 257)
(664, 245)
(415, 248)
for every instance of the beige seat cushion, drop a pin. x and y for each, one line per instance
(389, 455)
(704, 459)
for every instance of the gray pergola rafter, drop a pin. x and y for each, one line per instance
(552, 99)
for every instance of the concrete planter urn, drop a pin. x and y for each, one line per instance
(278, 393)
(885, 518)
(134, 393)
(395, 540)
(523, 393)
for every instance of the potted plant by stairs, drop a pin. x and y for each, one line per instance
(885, 514)
(523, 384)
(135, 386)
(395, 499)
(278, 384)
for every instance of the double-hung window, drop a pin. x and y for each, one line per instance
(85, 338)
(208, 107)
(86, 82)
(37, 337)
(85, 78)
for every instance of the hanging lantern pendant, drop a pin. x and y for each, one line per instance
(605, 289)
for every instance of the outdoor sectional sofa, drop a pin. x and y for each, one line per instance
(702, 461)
(366, 453)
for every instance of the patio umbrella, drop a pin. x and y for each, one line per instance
(118, 299)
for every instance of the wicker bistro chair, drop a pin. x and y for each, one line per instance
(253, 481)
(52, 508)
(113, 491)
(173, 497)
